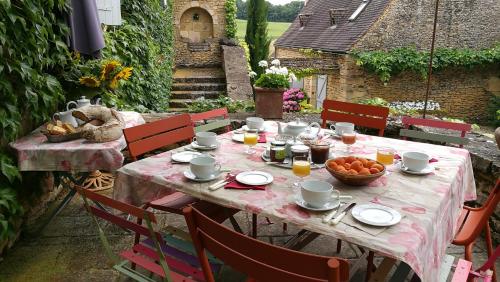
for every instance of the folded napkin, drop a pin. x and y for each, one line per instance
(262, 138)
(240, 186)
(398, 157)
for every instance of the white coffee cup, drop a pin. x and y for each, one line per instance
(255, 122)
(415, 161)
(204, 167)
(342, 127)
(206, 138)
(66, 117)
(317, 193)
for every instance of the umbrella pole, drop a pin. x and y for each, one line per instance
(429, 75)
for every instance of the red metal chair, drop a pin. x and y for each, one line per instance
(259, 260)
(166, 256)
(211, 120)
(151, 136)
(462, 127)
(359, 114)
(475, 220)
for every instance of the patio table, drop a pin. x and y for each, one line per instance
(430, 205)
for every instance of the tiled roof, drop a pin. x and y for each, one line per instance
(318, 34)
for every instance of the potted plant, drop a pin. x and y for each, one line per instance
(269, 89)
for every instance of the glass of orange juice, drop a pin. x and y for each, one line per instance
(250, 139)
(349, 139)
(385, 155)
(301, 167)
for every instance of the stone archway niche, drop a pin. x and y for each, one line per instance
(196, 25)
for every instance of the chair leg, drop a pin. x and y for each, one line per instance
(369, 267)
(254, 225)
(489, 248)
(285, 227)
(468, 256)
(339, 246)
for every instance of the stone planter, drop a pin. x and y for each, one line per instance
(497, 136)
(269, 102)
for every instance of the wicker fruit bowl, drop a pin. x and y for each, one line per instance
(355, 171)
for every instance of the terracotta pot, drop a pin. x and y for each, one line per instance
(269, 102)
(497, 136)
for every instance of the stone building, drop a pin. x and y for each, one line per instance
(336, 27)
(202, 64)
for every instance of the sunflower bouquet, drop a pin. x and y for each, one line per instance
(111, 73)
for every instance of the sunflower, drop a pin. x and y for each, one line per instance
(114, 83)
(90, 81)
(125, 73)
(108, 68)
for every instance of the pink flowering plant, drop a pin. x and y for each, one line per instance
(293, 99)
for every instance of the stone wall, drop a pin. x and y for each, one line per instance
(235, 67)
(472, 24)
(199, 25)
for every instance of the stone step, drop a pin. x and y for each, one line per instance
(195, 94)
(177, 110)
(198, 87)
(182, 72)
(200, 79)
(180, 103)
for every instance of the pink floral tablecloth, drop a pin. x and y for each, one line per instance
(430, 205)
(34, 153)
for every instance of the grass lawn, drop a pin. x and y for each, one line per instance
(274, 29)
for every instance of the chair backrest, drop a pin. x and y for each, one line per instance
(361, 115)
(151, 136)
(462, 127)
(211, 122)
(259, 260)
(125, 223)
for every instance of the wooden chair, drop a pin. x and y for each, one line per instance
(147, 137)
(259, 260)
(359, 114)
(171, 258)
(210, 121)
(475, 220)
(462, 127)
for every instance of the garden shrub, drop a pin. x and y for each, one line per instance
(202, 105)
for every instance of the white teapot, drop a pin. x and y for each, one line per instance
(82, 102)
(295, 128)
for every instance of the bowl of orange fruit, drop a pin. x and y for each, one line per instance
(355, 171)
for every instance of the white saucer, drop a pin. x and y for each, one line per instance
(424, 171)
(185, 156)
(262, 129)
(254, 178)
(376, 215)
(329, 206)
(195, 145)
(189, 175)
(238, 137)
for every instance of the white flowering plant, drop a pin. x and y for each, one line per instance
(274, 76)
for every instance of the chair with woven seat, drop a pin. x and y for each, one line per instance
(148, 137)
(259, 260)
(463, 128)
(164, 255)
(473, 221)
(211, 120)
(360, 115)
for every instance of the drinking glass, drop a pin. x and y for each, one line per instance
(349, 139)
(301, 167)
(385, 155)
(250, 139)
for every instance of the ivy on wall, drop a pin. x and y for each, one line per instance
(230, 9)
(390, 63)
(33, 55)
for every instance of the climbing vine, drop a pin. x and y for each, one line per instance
(231, 28)
(386, 64)
(304, 72)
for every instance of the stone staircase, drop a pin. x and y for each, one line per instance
(192, 83)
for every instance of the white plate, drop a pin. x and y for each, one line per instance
(238, 137)
(424, 171)
(254, 178)
(185, 156)
(329, 206)
(195, 145)
(189, 175)
(376, 215)
(245, 128)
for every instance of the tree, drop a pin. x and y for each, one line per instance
(256, 35)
